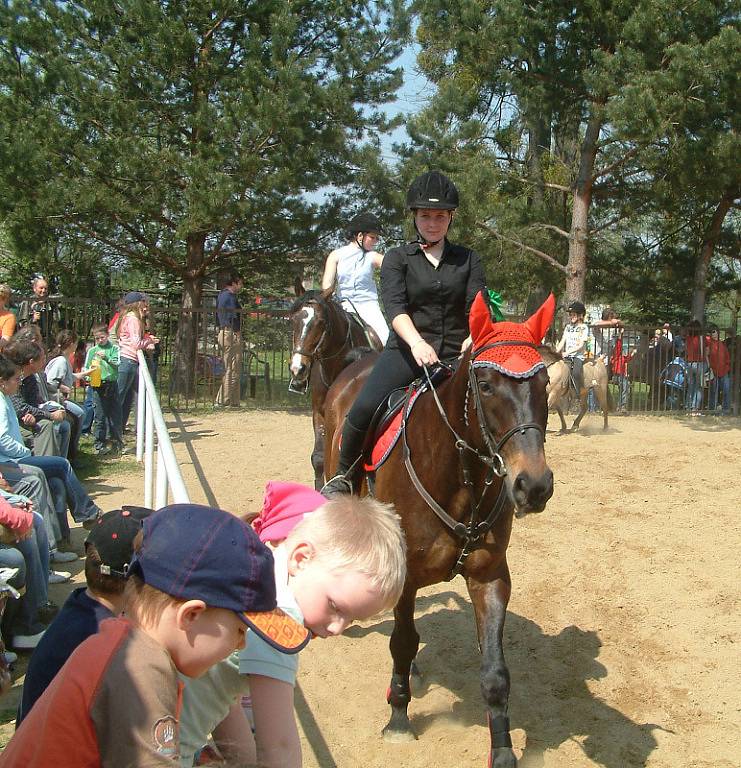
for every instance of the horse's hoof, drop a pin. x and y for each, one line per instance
(502, 758)
(398, 737)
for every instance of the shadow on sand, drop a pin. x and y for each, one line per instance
(550, 699)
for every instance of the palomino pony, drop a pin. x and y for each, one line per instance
(324, 336)
(559, 381)
(470, 455)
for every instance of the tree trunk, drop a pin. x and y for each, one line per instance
(579, 233)
(183, 378)
(706, 254)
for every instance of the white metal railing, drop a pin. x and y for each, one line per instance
(150, 423)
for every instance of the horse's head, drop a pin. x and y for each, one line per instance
(508, 380)
(309, 325)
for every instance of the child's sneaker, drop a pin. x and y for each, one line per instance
(62, 557)
(102, 450)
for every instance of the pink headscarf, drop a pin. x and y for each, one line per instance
(283, 508)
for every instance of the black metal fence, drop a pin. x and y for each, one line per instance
(649, 370)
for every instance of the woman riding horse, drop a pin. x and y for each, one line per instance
(352, 268)
(428, 287)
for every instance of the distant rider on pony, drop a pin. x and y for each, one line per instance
(352, 268)
(428, 287)
(573, 343)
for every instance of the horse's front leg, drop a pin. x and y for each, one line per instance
(582, 409)
(317, 455)
(404, 645)
(490, 601)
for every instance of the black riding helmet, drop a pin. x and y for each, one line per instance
(363, 222)
(432, 190)
(577, 307)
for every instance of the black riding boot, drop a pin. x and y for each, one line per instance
(350, 462)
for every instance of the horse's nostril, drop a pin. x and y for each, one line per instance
(532, 491)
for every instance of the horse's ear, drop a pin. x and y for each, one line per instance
(479, 320)
(539, 322)
(327, 292)
(298, 287)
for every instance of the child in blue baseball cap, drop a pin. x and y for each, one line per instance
(335, 562)
(199, 578)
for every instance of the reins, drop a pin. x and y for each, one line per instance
(473, 532)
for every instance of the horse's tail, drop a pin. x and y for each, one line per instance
(610, 400)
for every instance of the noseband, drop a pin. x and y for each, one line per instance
(472, 533)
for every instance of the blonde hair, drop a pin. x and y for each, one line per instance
(359, 535)
(5, 290)
(146, 604)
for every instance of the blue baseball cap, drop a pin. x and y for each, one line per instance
(195, 552)
(133, 296)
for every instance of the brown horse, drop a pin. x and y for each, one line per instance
(470, 456)
(559, 383)
(324, 337)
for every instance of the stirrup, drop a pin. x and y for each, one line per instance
(339, 485)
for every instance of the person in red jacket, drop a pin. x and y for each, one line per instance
(720, 365)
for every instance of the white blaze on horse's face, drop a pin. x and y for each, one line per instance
(296, 363)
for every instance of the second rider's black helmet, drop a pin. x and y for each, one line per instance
(578, 308)
(432, 190)
(363, 222)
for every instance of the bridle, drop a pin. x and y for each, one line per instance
(315, 354)
(473, 532)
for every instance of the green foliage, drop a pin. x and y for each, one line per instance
(185, 135)
(518, 84)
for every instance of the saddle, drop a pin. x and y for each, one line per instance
(386, 424)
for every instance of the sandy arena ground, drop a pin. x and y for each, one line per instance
(624, 628)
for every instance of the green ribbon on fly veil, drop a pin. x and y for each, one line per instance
(495, 305)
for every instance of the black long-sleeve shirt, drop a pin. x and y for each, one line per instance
(438, 299)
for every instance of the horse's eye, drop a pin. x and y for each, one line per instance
(485, 388)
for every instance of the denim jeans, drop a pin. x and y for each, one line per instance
(31, 556)
(694, 385)
(128, 376)
(107, 414)
(721, 384)
(81, 505)
(89, 411)
(64, 435)
(31, 482)
(623, 383)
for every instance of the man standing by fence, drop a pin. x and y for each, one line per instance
(229, 318)
(39, 310)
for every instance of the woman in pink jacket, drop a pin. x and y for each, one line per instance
(130, 330)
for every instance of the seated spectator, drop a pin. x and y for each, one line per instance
(335, 562)
(104, 356)
(50, 432)
(7, 317)
(199, 579)
(31, 483)
(60, 383)
(13, 450)
(23, 545)
(108, 551)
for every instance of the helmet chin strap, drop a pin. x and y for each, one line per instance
(360, 242)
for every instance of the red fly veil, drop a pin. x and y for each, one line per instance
(510, 358)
